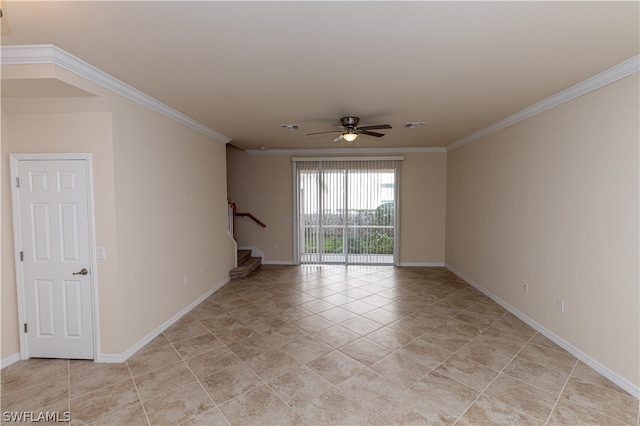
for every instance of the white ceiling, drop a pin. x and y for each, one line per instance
(245, 68)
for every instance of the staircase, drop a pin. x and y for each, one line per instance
(246, 264)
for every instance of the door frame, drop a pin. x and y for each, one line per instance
(15, 160)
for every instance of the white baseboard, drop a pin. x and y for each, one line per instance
(278, 262)
(422, 264)
(256, 252)
(111, 358)
(11, 359)
(625, 384)
(118, 358)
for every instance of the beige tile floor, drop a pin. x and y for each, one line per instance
(332, 345)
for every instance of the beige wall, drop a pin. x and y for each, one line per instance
(263, 185)
(171, 214)
(160, 207)
(8, 308)
(71, 132)
(553, 202)
(422, 208)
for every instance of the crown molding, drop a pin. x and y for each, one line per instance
(340, 151)
(50, 54)
(615, 73)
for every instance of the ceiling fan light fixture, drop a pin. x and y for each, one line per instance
(350, 135)
(351, 131)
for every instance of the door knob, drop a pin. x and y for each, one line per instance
(83, 271)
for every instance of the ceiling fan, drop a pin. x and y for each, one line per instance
(350, 130)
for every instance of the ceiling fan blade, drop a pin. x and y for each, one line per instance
(320, 133)
(338, 139)
(378, 126)
(368, 133)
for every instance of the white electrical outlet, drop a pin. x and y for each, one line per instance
(560, 305)
(185, 281)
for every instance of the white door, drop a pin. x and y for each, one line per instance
(54, 241)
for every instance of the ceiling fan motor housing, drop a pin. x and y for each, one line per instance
(349, 121)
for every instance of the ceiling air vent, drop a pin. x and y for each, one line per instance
(290, 126)
(414, 124)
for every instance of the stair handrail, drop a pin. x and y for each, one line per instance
(233, 213)
(250, 216)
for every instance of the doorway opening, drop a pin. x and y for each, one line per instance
(347, 211)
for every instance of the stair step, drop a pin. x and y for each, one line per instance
(245, 268)
(243, 255)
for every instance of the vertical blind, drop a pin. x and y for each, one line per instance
(346, 210)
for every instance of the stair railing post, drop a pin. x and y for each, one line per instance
(233, 207)
(232, 218)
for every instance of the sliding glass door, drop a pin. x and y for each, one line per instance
(347, 211)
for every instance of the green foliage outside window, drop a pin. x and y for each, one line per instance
(365, 240)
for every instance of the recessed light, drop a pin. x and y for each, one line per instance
(290, 126)
(414, 124)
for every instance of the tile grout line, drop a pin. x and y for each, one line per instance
(497, 375)
(474, 337)
(454, 353)
(476, 398)
(241, 292)
(282, 399)
(414, 339)
(244, 291)
(536, 362)
(264, 382)
(215, 405)
(144, 410)
(566, 382)
(598, 386)
(332, 386)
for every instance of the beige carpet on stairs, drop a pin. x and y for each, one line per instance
(246, 264)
